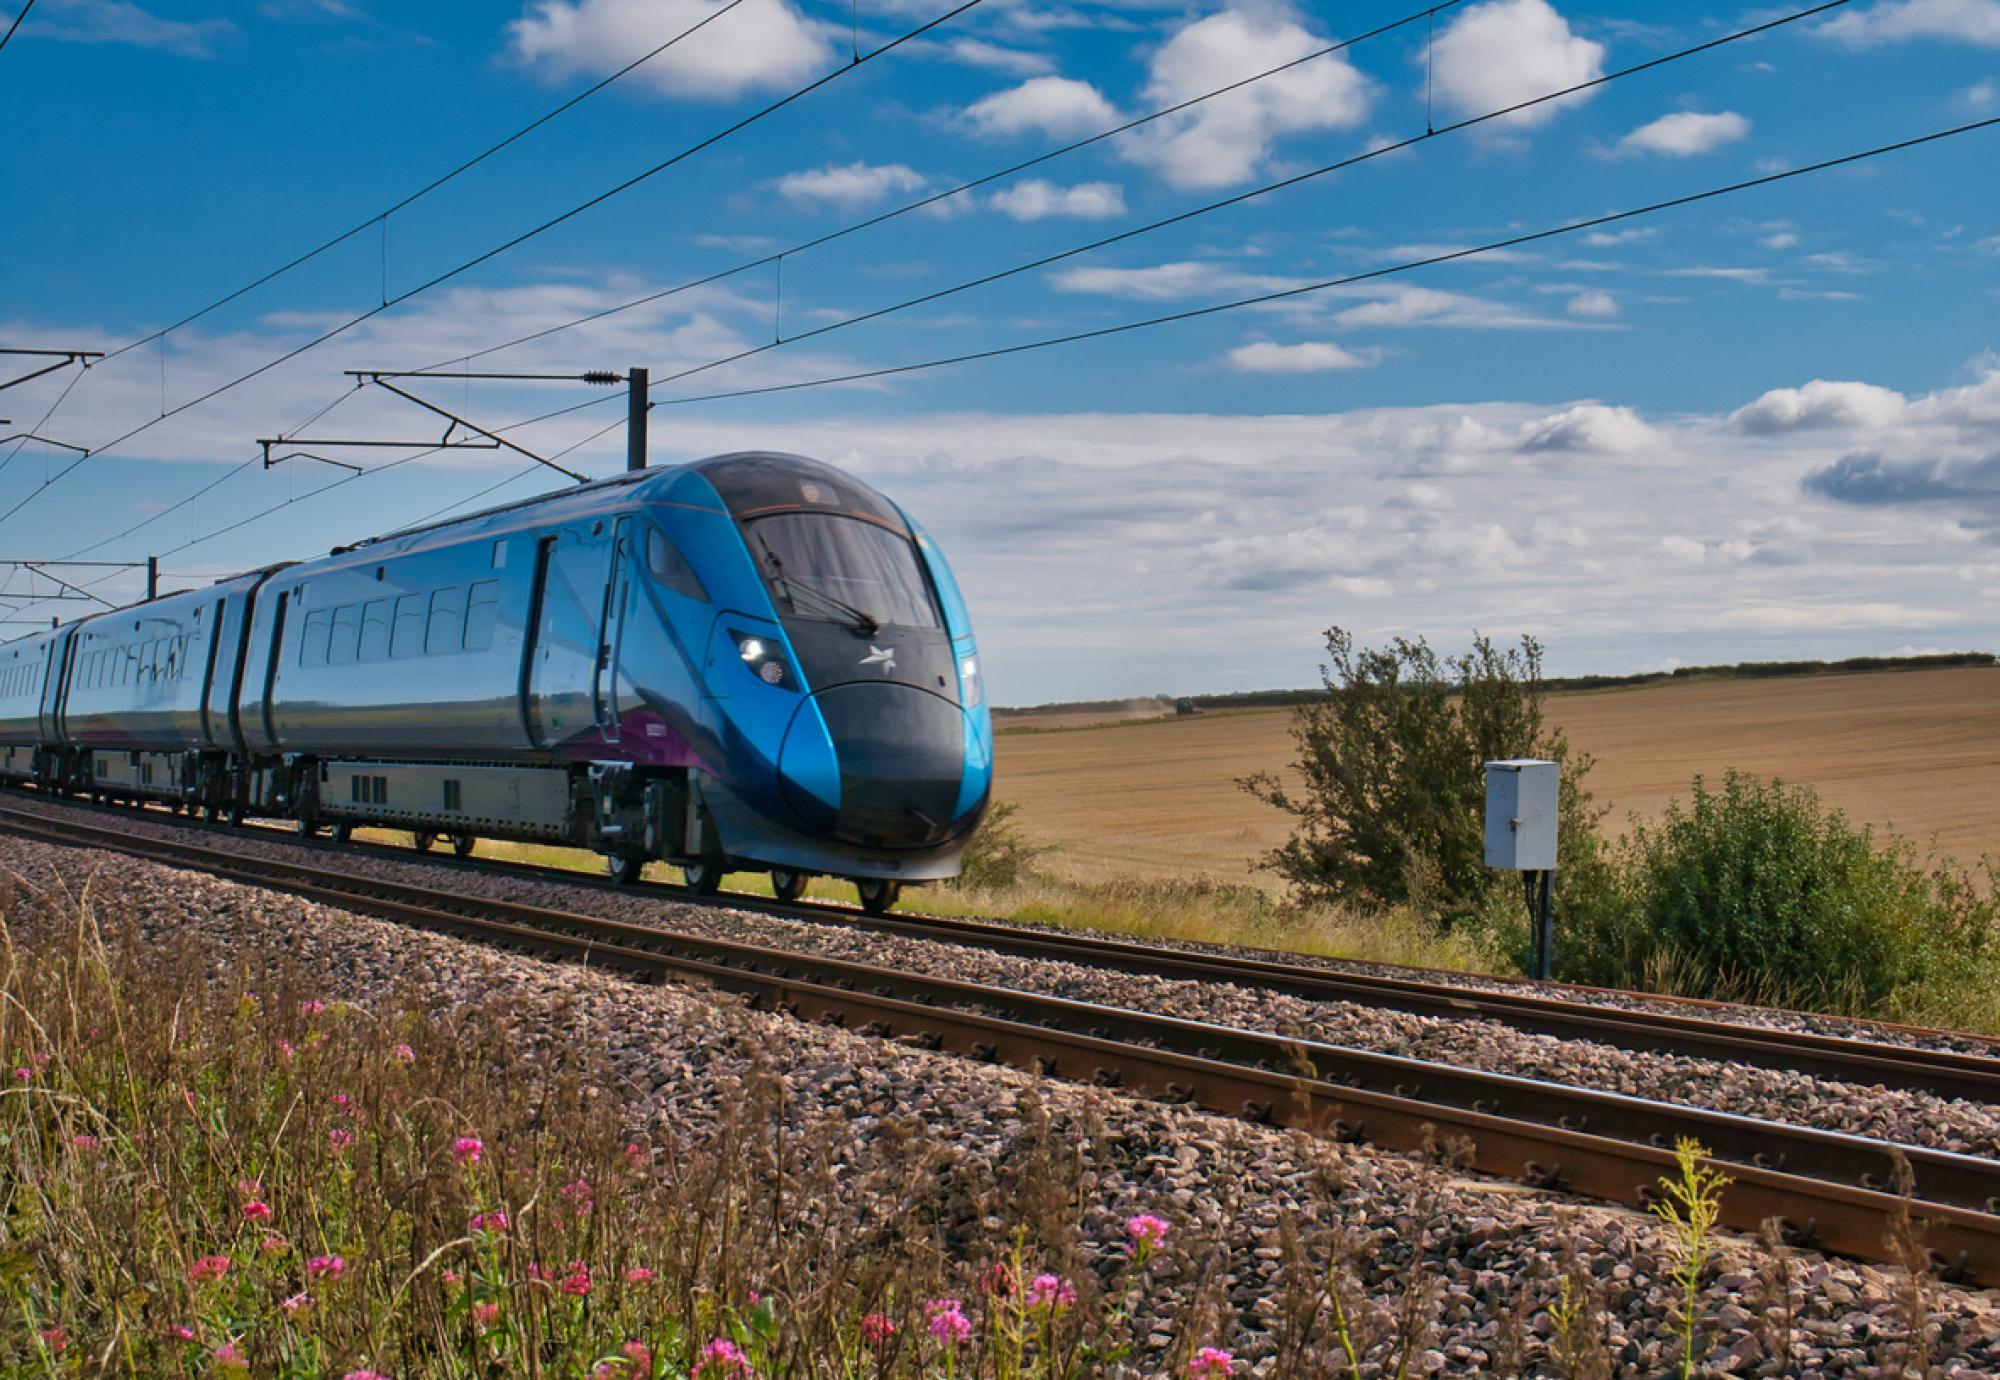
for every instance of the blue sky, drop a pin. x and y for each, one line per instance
(1766, 426)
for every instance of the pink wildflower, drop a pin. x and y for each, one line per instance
(998, 1279)
(877, 1328)
(539, 1274)
(1211, 1363)
(638, 1274)
(329, 1266)
(311, 1008)
(340, 1139)
(41, 1058)
(229, 1358)
(339, 1100)
(405, 1055)
(297, 1301)
(453, 1278)
(23, 1074)
(180, 1333)
(578, 1281)
(250, 1188)
(84, 1142)
(485, 1313)
(487, 1221)
(53, 1339)
(640, 1356)
(364, 1375)
(1146, 1230)
(272, 1243)
(285, 1049)
(633, 1150)
(257, 1210)
(725, 1356)
(1051, 1291)
(208, 1267)
(947, 1321)
(468, 1149)
(578, 1195)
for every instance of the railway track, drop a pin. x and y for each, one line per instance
(1697, 1034)
(1827, 1189)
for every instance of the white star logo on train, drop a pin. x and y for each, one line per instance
(885, 657)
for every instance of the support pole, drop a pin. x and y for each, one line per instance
(635, 418)
(152, 578)
(1545, 930)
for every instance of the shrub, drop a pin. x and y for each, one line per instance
(999, 853)
(1759, 890)
(1392, 759)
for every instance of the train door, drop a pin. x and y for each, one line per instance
(604, 688)
(563, 662)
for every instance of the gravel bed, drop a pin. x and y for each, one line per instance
(1497, 1249)
(1848, 1027)
(1890, 1114)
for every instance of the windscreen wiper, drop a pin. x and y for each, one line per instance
(859, 619)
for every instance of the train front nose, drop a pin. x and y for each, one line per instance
(888, 769)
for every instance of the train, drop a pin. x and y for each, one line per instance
(752, 662)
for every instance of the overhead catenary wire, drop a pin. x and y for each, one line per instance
(514, 242)
(777, 257)
(1180, 217)
(17, 23)
(1305, 289)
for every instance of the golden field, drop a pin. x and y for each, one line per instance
(1914, 753)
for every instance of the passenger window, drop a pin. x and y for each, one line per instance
(409, 634)
(670, 567)
(312, 639)
(375, 630)
(482, 611)
(447, 625)
(346, 634)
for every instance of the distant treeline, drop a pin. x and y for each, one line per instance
(1741, 670)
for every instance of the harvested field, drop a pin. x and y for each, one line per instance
(1915, 753)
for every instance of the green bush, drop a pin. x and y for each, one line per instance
(1393, 756)
(1759, 890)
(999, 853)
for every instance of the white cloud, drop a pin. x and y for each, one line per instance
(1596, 305)
(850, 185)
(1783, 239)
(1503, 52)
(1058, 106)
(1686, 133)
(1039, 200)
(1231, 138)
(1820, 405)
(767, 44)
(1588, 428)
(1170, 282)
(1604, 239)
(1890, 21)
(1306, 357)
(119, 21)
(1431, 307)
(1015, 62)
(1981, 98)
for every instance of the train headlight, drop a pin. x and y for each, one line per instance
(971, 691)
(766, 660)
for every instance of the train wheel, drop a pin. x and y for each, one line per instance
(623, 868)
(702, 878)
(423, 840)
(788, 886)
(343, 833)
(463, 844)
(878, 897)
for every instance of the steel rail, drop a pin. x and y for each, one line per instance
(1829, 1188)
(1939, 1072)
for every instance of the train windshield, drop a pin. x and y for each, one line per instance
(843, 570)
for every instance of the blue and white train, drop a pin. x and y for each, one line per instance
(749, 662)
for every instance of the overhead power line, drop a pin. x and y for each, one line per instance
(1324, 285)
(433, 185)
(517, 240)
(17, 22)
(1000, 174)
